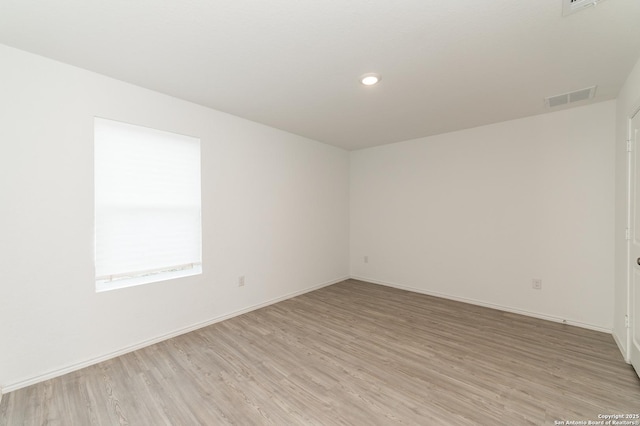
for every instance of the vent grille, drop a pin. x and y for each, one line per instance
(572, 6)
(567, 98)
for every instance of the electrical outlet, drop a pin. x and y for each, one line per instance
(241, 281)
(536, 284)
(366, 259)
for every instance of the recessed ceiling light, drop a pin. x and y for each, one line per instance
(370, 79)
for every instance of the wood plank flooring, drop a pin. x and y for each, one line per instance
(350, 354)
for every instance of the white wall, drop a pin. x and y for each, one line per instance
(275, 209)
(476, 214)
(628, 100)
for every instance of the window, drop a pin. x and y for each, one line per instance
(147, 205)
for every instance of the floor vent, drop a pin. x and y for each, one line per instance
(567, 98)
(572, 6)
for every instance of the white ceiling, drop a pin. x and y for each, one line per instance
(294, 64)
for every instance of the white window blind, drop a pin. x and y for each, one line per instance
(147, 205)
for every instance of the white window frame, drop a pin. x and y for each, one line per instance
(103, 174)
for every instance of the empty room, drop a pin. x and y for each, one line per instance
(319, 213)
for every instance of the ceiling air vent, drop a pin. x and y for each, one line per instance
(567, 98)
(573, 6)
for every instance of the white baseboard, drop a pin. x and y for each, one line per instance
(621, 347)
(485, 304)
(77, 366)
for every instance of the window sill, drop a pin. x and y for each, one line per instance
(104, 285)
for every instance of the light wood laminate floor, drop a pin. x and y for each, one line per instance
(353, 353)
